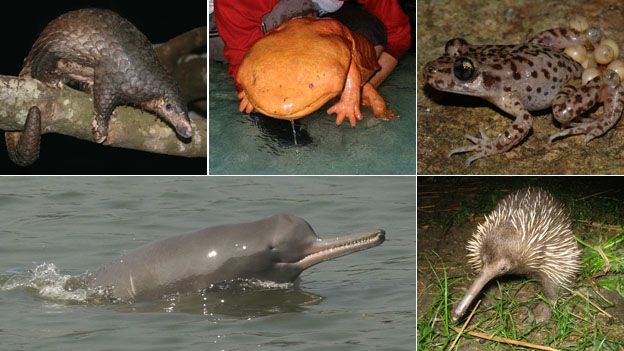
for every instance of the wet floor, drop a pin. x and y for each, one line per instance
(243, 144)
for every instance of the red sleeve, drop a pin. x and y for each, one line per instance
(239, 24)
(396, 22)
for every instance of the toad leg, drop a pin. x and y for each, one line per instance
(560, 38)
(517, 131)
(23, 147)
(349, 104)
(612, 94)
(573, 100)
(372, 99)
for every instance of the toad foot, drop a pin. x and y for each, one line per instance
(482, 147)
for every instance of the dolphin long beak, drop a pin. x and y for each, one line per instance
(327, 249)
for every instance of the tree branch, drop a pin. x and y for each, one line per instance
(179, 46)
(70, 112)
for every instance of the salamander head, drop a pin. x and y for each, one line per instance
(172, 111)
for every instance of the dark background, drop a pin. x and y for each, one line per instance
(23, 22)
(455, 200)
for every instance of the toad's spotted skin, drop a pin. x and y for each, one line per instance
(521, 78)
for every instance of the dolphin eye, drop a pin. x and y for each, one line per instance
(464, 69)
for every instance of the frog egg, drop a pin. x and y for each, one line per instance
(577, 52)
(579, 23)
(589, 74)
(589, 62)
(594, 34)
(618, 67)
(611, 78)
(603, 54)
(613, 45)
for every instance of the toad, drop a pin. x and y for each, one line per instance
(305, 62)
(527, 77)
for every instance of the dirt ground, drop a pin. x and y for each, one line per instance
(449, 210)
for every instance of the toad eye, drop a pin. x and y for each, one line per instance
(464, 69)
(168, 107)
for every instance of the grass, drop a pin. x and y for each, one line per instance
(612, 249)
(434, 332)
(604, 262)
(597, 207)
(575, 325)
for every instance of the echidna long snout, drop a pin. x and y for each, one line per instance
(484, 277)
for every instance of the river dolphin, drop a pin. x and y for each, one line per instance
(277, 248)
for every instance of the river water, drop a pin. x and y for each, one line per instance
(54, 227)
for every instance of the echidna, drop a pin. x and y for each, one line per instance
(528, 233)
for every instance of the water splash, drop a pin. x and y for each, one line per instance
(47, 281)
(240, 298)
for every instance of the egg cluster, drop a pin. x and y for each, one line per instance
(604, 55)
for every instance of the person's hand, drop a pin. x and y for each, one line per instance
(285, 10)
